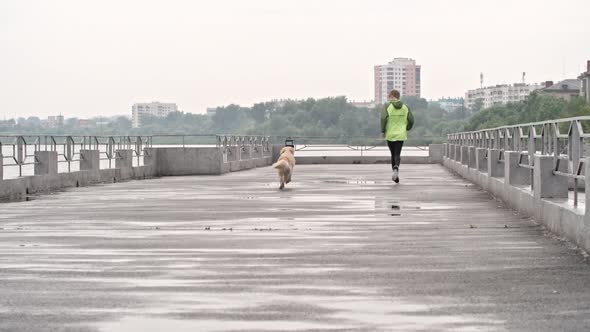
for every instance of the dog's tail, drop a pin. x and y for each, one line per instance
(282, 164)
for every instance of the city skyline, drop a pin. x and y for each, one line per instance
(90, 59)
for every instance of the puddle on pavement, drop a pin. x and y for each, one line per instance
(146, 324)
(358, 182)
(411, 206)
(336, 312)
(249, 198)
(19, 198)
(396, 208)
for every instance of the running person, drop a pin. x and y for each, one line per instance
(396, 121)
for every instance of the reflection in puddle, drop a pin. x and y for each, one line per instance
(19, 198)
(160, 324)
(334, 311)
(349, 181)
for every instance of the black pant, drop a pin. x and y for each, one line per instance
(396, 152)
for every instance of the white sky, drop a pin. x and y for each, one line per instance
(86, 58)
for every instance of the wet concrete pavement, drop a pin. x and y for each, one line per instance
(342, 249)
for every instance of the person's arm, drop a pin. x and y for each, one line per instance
(384, 116)
(410, 120)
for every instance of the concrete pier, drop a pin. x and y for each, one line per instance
(342, 249)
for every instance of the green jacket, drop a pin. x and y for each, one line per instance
(396, 121)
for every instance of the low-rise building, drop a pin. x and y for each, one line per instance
(566, 89)
(363, 104)
(211, 111)
(84, 123)
(451, 104)
(501, 94)
(55, 121)
(141, 111)
(7, 123)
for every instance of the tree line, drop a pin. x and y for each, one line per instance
(334, 117)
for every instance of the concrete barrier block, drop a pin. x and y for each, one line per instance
(481, 163)
(190, 161)
(233, 153)
(268, 160)
(514, 173)
(150, 158)
(247, 164)
(276, 150)
(545, 183)
(225, 168)
(260, 162)
(245, 153)
(45, 162)
(124, 159)
(587, 191)
(435, 153)
(471, 157)
(234, 166)
(125, 173)
(89, 160)
(495, 167)
(464, 155)
(256, 152)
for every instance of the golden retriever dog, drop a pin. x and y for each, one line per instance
(285, 165)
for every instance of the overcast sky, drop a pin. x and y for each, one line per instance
(88, 58)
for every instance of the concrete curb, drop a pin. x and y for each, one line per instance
(559, 216)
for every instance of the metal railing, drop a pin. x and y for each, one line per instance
(563, 139)
(258, 143)
(356, 144)
(19, 151)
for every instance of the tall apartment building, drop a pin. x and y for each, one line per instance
(501, 94)
(401, 74)
(585, 80)
(141, 111)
